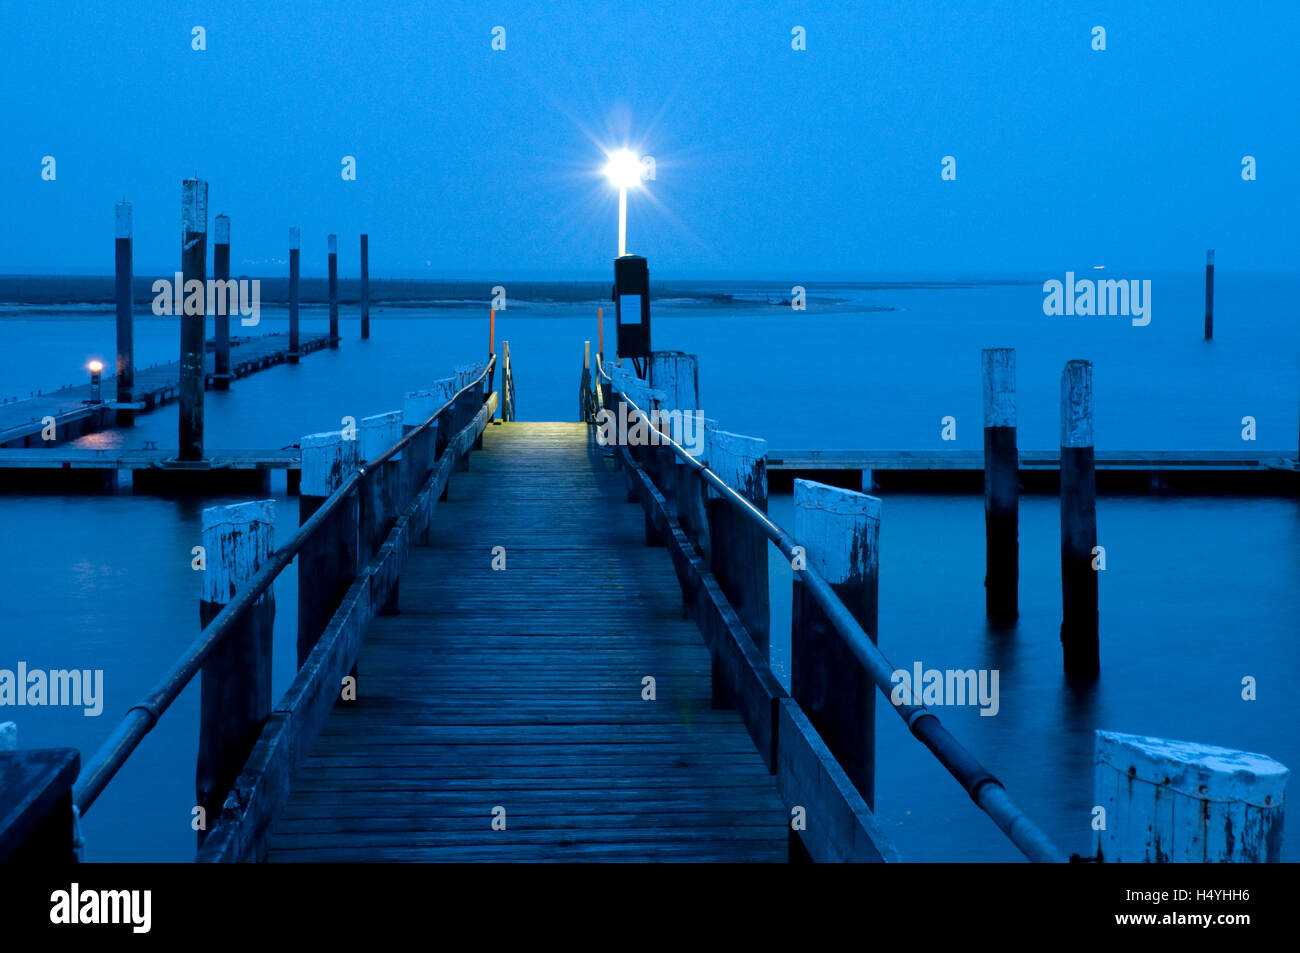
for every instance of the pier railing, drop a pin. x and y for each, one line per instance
(361, 507)
(812, 740)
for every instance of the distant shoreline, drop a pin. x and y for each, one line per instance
(87, 291)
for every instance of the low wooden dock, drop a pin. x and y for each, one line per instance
(63, 468)
(22, 421)
(1117, 470)
(521, 689)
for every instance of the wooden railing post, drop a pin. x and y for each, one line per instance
(839, 531)
(1178, 802)
(382, 500)
(1001, 486)
(739, 548)
(236, 678)
(1079, 614)
(327, 563)
(676, 376)
(507, 384)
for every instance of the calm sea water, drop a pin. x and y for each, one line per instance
(1198, 592)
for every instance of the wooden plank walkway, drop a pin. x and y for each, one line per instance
(522, 689)
(20, 421)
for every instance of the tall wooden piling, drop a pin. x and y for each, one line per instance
(221, 273)
(365, 287)
(334, 289)
(124, 268)
(1001, 486)
(236, 677)
(1079, 615)
(840, 533)
(194, 267)
(295, 242)
(739, 548)
(327, 563)
(1180, 802)
(1209, 295)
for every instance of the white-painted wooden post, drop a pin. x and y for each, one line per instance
(1177, 801)
(327, 563)
(840, 533)
(380, 432)
(385, 492)
(235, 692)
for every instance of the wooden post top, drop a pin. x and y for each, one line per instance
(122, 220)
(839, 530)
(999, 366)
(194, 206)
(381, 431)
(327, 461)
(221, 230)
(1203, 772)
(738, 461)
(295, 238)
(1076, 404)
(332, 241)
(238, 540)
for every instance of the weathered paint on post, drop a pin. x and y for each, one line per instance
(221, 320)
(839, 531)
(380, 432)
(1079, 607)
(333, 244)
(295, 250)
(1180, 802)
(235, 693)
(124, 270)
(365, 287)
(739, 548)
(328, 561)
(677, 374)
(383, 490)
(194, 267)
(1001, 486)
(1209, 295)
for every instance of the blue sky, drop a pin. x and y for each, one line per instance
(770, 162)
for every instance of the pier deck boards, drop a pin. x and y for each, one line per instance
(20, 421)
(522, 689)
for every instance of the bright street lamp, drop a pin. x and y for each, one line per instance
(624, 172)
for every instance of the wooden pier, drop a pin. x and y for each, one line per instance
(23, 422)
(527, 642)
(521, 688)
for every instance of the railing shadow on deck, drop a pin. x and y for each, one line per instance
(350, 547)
(681, 496)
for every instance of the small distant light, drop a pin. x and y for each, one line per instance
(95, 367)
